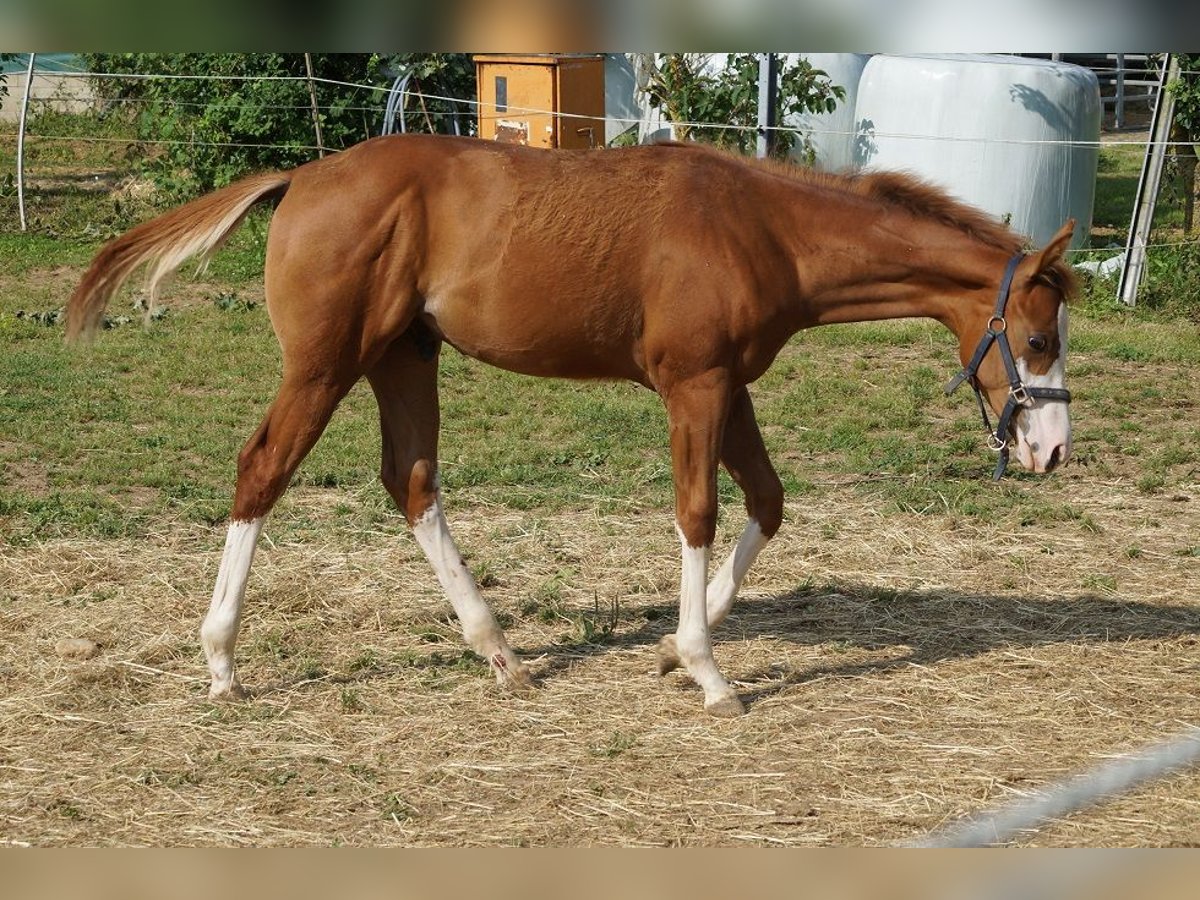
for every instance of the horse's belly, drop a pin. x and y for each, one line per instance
(542, 341)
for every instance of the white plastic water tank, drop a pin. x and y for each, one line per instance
(621, 108)
(996, 131)
(832, 134)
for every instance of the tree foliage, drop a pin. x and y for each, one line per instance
(1186, 89)
(215, 117)
(4, 58)
(690, 90)
(253, 111)
(246, 111)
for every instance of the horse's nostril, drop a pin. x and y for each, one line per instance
(1056, 456)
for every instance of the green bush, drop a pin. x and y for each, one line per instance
(248, 111)
(436, 75)
(1172, 282)
(252, 111)
(5, 57)
(1186, 131)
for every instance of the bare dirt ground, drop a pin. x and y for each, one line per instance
(901, 671)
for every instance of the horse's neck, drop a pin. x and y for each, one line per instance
(929, 271)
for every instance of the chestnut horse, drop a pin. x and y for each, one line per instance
(676, 266)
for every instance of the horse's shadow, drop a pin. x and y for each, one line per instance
(922, 627)
(903, 627)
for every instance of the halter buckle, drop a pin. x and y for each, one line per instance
(1020, 395)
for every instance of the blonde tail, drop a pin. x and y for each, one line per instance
(164, 244)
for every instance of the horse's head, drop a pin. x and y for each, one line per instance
(1022, 370)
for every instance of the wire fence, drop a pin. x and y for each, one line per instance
(375, 98)
(483, 108)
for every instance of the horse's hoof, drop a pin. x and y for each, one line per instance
(231, 691)
(511, 674)
(668, 655)
(520, 680)
(728, 707)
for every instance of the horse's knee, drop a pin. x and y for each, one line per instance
(697, 523)
(410, 479)
(394, 481)
(248, 457)
(260, 479)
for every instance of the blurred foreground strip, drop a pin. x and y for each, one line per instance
(1118, 776)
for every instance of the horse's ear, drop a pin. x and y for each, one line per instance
(1054, 250)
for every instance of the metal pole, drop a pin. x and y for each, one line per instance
(21, 142)
(1147, 192)
(768, 90)
(312, 96)
(1119, 100)
(1110, 780)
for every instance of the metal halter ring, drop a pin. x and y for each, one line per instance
(992, 325)
(995, 443)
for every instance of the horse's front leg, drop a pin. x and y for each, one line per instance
(696, 410)
(745, 457)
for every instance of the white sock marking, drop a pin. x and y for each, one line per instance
(219, 632)
(692, 639)
(725, 584)
(479, 626)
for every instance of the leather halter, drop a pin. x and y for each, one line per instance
(1018, 393)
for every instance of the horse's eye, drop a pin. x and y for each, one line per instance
(1037, 343)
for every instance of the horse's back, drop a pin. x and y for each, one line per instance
(545, 262)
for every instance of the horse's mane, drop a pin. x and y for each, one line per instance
(911, 194)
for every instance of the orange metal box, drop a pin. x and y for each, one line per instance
(542, 100)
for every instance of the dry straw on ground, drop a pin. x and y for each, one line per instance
(901, 671)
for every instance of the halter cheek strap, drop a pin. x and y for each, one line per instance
(1019, 394)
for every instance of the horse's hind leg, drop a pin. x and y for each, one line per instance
(265, 466)
(745, 458)
(405, 385)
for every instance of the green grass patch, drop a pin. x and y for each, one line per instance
(1117, 172)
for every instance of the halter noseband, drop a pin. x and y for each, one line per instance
(1018, 393)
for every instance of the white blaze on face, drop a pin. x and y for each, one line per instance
(1045, 427)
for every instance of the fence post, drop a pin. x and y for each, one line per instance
(1119, 99)
(768, 89)
(21, 142)
(312, 96)
(1134, 264)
